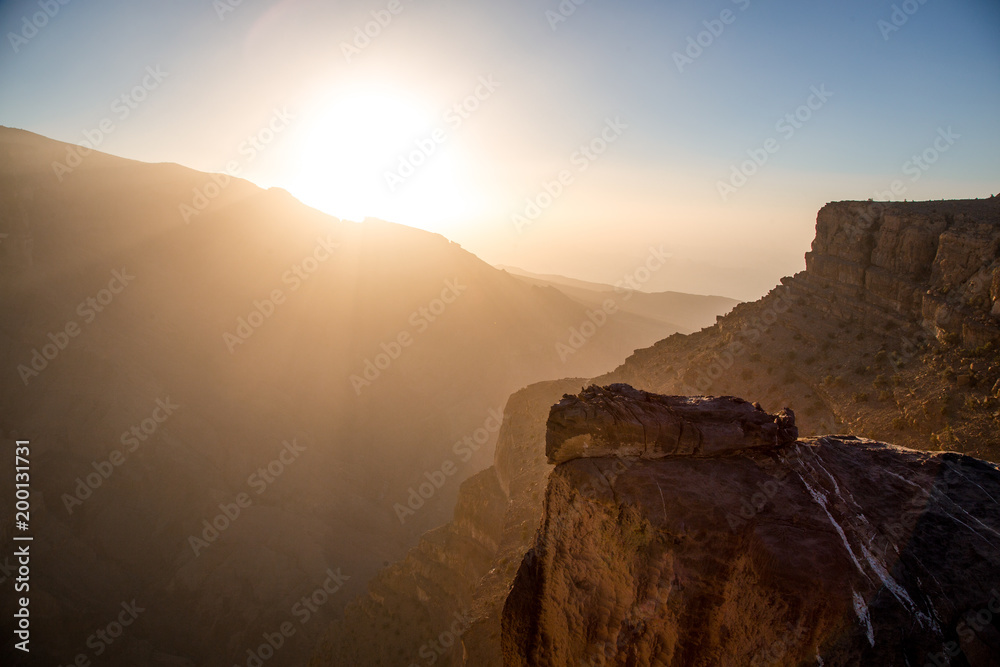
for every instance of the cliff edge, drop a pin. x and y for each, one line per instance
(830, 551)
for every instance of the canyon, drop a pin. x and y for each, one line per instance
(890, 334)
(262, 323)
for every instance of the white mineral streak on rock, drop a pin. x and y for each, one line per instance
(861, 609)
(874, 564)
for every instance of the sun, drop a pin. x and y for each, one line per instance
(371, 151)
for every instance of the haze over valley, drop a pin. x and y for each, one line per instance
(477, 334)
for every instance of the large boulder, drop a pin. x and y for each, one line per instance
(619, 420)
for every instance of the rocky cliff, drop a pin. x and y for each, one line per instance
(891, 332)
(932, 263)
(831, 551)
(835, 343)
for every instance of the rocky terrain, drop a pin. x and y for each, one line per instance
(831, 551)
(891, 334)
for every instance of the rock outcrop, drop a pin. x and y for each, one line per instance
(621, 421)
(827, 551)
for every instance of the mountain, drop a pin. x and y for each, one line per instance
(687, 312)
(891, 333)
(238, 407)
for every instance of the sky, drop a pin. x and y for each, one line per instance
(562, 137)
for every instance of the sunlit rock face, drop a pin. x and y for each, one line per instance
(936, 263)
(823, 551)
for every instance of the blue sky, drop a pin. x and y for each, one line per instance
(657, 183)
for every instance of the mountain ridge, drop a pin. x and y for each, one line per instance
(252, 316)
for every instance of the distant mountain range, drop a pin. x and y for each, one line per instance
(234, 400)
(685, 313)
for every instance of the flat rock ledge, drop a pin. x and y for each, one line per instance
(619, 420)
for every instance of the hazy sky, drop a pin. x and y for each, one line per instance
(536, 81)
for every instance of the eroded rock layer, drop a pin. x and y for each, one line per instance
(619, 420)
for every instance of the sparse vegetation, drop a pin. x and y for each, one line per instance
(951, 338)
(987, 350)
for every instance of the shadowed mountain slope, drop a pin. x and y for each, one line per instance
(215, 378)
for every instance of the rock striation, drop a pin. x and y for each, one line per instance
(619, 420)
(827, 551)
(934, 263)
